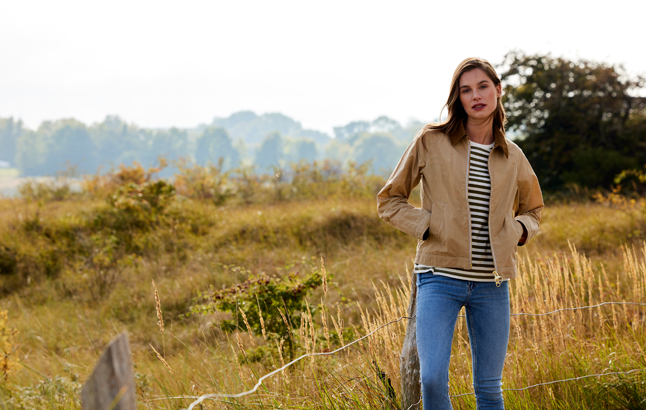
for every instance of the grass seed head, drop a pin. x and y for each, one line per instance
(262, 321)
(160, 318)
(161, 359)
(324, 274)
(246, 322)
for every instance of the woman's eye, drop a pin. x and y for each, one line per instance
(466, 90)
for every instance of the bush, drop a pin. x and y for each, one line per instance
(8, 260)
(271, 306)
(107, 184)
(207, 182)
(631, 181)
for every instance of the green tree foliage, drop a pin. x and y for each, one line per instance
(171, 144)
(117, 142)
(253, 128)
(301, 149)
(113, 141)
(53, 145)
(214, 143)
(380, 148)
(351, 129)
(10, 130)
(338, 150)
(70, 141)
(579, 122)
(382, 125)
(270, 152)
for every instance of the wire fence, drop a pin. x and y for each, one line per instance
(200, 399)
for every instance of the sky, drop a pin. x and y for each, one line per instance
(324, 63)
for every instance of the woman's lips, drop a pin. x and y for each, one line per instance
(478, 107)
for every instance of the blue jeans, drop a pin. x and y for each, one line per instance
(439, 300)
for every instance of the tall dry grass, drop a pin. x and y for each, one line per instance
(566, 341)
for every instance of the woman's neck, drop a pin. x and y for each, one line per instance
(480, 131)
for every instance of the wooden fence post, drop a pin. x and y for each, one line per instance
(111, 386)
(409, 364)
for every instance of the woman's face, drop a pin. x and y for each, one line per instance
(478, 94)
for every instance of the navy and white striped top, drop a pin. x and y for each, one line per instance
(479, 189)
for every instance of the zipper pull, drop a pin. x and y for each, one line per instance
(497, 278)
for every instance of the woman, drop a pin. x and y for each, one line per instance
(480, 199)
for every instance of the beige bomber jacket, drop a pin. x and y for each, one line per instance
(441, 164)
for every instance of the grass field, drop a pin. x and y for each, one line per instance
(77, 269)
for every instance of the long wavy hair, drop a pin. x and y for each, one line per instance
(457, 114)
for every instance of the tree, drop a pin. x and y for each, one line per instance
(301, 149)
(380, 148)
(252, 128)
(270, 152)
(214, 143)
(47, 150)
(386, 125)
(351, 129)
(117, 142)
(30, 153)
(338, 150)
(10, 130)
(577, 121)
(70, 141)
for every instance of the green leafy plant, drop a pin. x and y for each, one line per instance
(269, 305)
(631, 181)
(142, 205)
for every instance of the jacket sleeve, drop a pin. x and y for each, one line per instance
(530, 199)
(392, 200)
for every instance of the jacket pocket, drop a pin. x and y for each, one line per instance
(517, 230)
(438, 234)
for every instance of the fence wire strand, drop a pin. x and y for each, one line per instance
(200, 399)
(574, 308)
(560, 381)
(259, 382)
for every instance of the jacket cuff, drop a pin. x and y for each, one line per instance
(530, 225)
(524, 230)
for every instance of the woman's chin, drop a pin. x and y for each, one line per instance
(479, 116)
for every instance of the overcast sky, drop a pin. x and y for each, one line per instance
(162, 64)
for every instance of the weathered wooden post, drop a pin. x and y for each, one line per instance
(409, 364)
(111, 386)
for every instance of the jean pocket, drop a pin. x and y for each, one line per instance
(425, 278)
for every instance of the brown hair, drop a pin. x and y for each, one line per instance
(456, 112)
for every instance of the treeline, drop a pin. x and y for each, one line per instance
(580, 123)
(242, 139)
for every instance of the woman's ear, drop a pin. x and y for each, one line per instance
(499, 90)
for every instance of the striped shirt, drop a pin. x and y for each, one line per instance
(479, 189)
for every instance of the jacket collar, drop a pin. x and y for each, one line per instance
(499, 138)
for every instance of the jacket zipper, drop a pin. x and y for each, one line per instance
(496, 275)
(470, 234)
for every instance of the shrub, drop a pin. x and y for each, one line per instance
(271, 306)
(631, 181)
(207, 182)
(107, 184)
(142, 205)
(8, 260)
